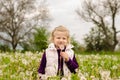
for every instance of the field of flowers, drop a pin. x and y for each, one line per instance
(23, 66)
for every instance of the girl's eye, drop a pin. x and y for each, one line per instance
(64, 38)
(61, 38)
(58, 37)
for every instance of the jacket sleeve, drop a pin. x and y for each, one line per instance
(42, 66)
(72, 64)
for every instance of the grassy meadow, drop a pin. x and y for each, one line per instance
(23, 66)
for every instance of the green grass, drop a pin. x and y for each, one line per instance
(19, 66)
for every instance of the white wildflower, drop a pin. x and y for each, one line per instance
(114, 67)
(22, 74)
(105, 75)
(64, 78)
(33, 58)
(25, 62)
(28, 73)
(1, 73)
(83, 78)
(94, 78)
(44, 77)
(29, 54)
(13, 76)
(4, 66)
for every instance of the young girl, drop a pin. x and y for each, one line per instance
(59, 58)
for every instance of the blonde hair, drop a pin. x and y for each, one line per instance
(61, 29)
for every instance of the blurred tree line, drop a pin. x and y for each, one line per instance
(103, 14)
(24, 24)
(19, 20)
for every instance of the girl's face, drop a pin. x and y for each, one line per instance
(60, 39)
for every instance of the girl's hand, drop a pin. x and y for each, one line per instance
(64, 56)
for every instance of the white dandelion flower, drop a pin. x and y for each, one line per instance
(25, 62)
(1, 73)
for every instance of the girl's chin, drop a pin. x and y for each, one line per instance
(60, 46)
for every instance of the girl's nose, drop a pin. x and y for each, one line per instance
(61, 39)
